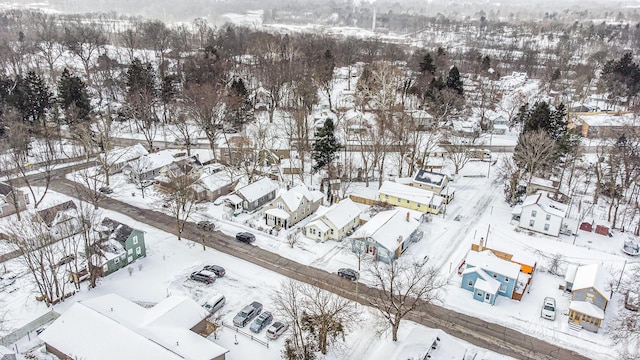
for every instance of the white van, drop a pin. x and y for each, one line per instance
(215, 303)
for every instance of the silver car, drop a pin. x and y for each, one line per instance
(548, 309)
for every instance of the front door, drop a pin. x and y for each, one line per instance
(487, 297)
(371, 250)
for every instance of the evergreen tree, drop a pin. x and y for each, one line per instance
(72, 95)
(141, 78)
(454, 82)
(486, 63)
(427, 65)
(238, 103)
(325, 146)
(31, 97)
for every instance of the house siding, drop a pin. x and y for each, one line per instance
(555, 222)
(598, 300)
(8, 207)
(380, 253)
(251, 206)
(506, 289)
(408, 204)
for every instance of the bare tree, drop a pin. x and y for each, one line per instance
(137, 170)
(181, 199)
(402, 287)
(85, 42)
(457, 152)
(207, 109)
(509, 175)
(534, 151)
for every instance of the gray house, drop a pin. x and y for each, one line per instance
(257, 194)
(12, 200)
(589, 297)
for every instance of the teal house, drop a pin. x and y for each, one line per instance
(120, 245)
(488, 276)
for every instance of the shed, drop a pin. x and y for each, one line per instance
(602, 230)
(586, 226)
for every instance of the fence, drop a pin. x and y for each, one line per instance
(366, 201)
(28, 328)
(237, 330)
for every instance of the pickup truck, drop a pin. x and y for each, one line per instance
(247, 314)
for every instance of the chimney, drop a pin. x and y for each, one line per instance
(399, 239)
(408, 216)
(481, 246)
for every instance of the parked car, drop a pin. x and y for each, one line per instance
(261, 322)
(216, 269)
(106, 190)
(246, 237)
(277, 329)
(206, 225)
(247, 314)
(203, 276)
(548, 309)
(348, 274)
(215, 303)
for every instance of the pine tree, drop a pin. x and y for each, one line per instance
(31, 97)
(141, 78)
(72, 94)
(454, 82)
(325, 146)
(427, 65)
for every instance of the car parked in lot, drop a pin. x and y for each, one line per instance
(246, 237)
(247, 314)
(348, 274)
(203, 276)
(278, 328)
(548, 309)
(206, 225)
(215, 303)
(216, 269)
(261, 322)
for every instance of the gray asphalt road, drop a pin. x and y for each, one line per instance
(473, 330)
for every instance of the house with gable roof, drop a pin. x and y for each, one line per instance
(410, 197)
(112, 327)
(61, 220)
(334, 222)
(293, 205)
(121, 245)
(429, 180)
(387, 235)
(254, 195)
(488, 276)
(116, 159)
(540, 213)
(12, 200)
(589, 296)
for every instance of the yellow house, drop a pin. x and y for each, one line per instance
(410, 197)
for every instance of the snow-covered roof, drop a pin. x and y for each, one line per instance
(485, 282)
(388, 226)
(406, 192)
(234, 199)
(549, 206)
(610, 120)
(258, 189)
(125, 154)
(216, 180)
(570, 275)
(587, 308)
(486, 260)
(279, 213)
(319, 224)
(293, 197)
(591, 276)
(342, 213)
(161, 332)
(160, 159)
(429, 177)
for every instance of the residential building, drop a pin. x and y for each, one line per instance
(257, 194)
(410, 197)
(12, 200)
(61, 220)
(387, 235)
(605, 125)
(539, 213)
(334, 222)
(589, 296)
(121, 245)
(116, 159)
(212, 185)
(488, 276)
(429, 180)
(112, 327)
(293, 205)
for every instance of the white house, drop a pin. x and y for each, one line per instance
(293, 205)
(116, 159)
(62, 220)
(112, 327)
(335, 222)
(539, 213)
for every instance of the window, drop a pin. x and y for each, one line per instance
(479, 293)
(503, 288)
(116, 260)
(331, 231)
(280, 206)
(386, 197)
(408, 201)
(506, 279)
(548, 217)
(531, 223)
(546, 227)
(130, 251)
(589, 298)
(135, 240)
(105, 268)
(533, 213)
(398, 199)
(470, 283)
(130, 259)
(418, 204)
(495, 276)
(138, 250)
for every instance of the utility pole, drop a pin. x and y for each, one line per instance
(486, 239)
(621, 272)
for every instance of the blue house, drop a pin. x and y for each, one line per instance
(488, 276)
